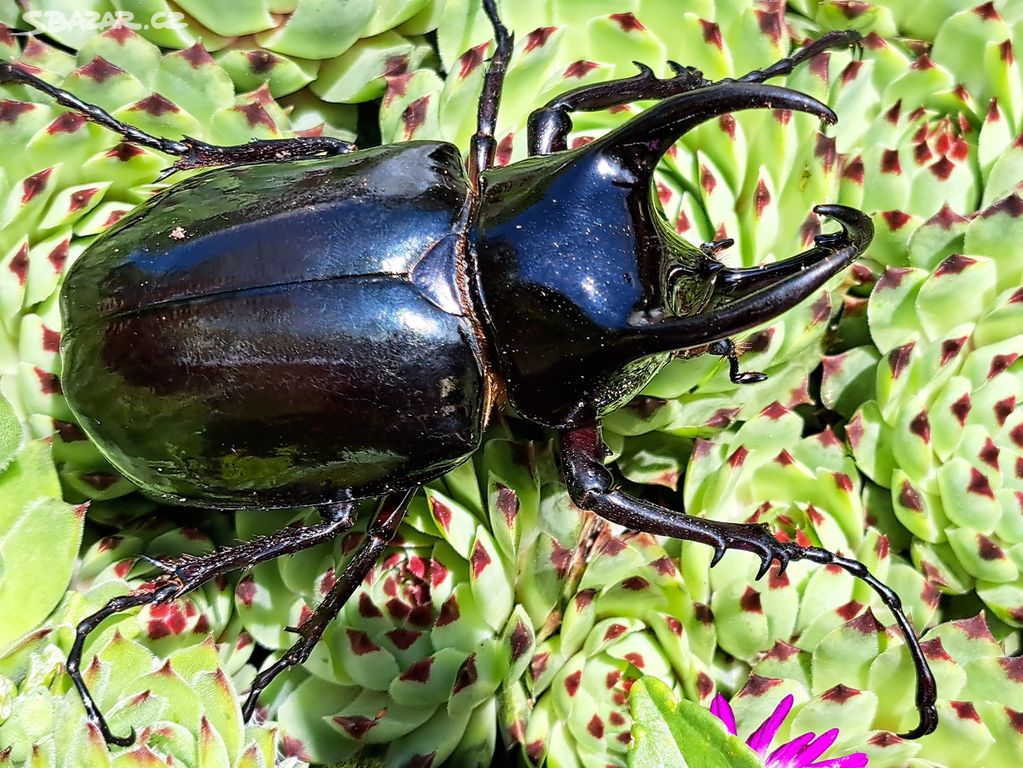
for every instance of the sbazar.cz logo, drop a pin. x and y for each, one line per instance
(55, 22)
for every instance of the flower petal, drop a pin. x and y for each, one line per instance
(761, 738)
(788, 754)
(818, 747)
(721, 709)
(855, 760)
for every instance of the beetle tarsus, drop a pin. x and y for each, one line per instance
(714, 247)
(381, 531)
(592, 487)
(839, 38)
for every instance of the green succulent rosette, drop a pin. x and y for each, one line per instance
(175, 690)
(183, 708)
(414, 667)
(320, 56)
(808, 490)
(859, 680)
(941, 428)
(630, 616)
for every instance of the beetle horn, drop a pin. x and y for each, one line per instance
(641, 141)
(794, 280)
(731, 284)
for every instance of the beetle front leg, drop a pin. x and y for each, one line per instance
(483, 145)
(592, 487)
(381, 531)
(838, 38)
(550, 125)
(193, 152)
(182, 575)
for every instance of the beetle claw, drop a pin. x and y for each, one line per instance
(765, 566)
(719, 552)
(751, 377)
(120, 741)
(714, 247)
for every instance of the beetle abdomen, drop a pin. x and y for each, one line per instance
(280, 396)
(248, 362)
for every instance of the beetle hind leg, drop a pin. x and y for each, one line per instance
(182, 575)
(592, 487)
(193, 152)
(381, 531)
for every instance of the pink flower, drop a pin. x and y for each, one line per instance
(798, 753)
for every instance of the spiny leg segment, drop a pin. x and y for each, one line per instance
(592, 487)
(193, 152)
(380, 533)
(182, 575)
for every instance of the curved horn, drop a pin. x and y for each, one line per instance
(799, 277)
(641, 141)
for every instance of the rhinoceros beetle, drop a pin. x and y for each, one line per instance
(308, 324)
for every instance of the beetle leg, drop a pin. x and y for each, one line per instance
(592, 487)
(381, 531)
(193, 153)
(483, 145)
(185, 574)
(726, 348)
(838, 38)
(550, 125)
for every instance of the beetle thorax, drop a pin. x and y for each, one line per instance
(568, 251)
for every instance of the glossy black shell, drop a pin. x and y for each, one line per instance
(281, 334)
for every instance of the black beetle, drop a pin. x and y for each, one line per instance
(313, 325)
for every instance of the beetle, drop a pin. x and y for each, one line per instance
(307, 324)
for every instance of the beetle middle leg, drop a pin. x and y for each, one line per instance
(592, 487)
(193, 152)
(186, 574)
(380, 533)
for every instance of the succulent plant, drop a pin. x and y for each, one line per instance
(630, 616)
(183, 708)
(335, 54)
(806, 489)
(180, 698)
(413, 667)
(942, 427)
(857, 680)
(557, 617)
